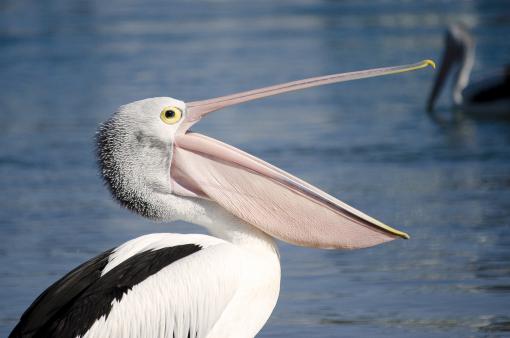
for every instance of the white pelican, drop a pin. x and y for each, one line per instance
(177, 285)
(488, 97)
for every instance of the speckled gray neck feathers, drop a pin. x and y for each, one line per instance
(134, 165)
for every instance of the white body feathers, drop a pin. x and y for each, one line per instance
(224, 290)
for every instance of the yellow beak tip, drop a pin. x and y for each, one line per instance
(430, 63)
(400, 234)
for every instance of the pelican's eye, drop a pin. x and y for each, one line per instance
(171, 115)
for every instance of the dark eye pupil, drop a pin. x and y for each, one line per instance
(169, 114)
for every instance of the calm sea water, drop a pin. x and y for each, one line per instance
(66, 65)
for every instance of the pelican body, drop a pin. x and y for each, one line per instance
(185, 285)
(487, 97)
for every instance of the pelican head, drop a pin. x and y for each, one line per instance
(135, 149)
(156, 167)
(458, 56)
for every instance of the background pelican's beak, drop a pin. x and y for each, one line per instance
(457, 43)
(451, 55)
(267, 197)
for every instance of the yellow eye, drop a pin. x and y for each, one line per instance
(171, 115)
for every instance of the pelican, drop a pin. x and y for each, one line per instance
(488, 97)
(189, 285)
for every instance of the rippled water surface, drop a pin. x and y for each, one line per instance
(66, 65)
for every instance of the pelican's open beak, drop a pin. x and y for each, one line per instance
(267, 197)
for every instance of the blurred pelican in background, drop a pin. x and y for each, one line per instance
(488, 97)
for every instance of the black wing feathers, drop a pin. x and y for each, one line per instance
(71, 306)
(64, 291)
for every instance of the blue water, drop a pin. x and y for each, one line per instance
(66, 65)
